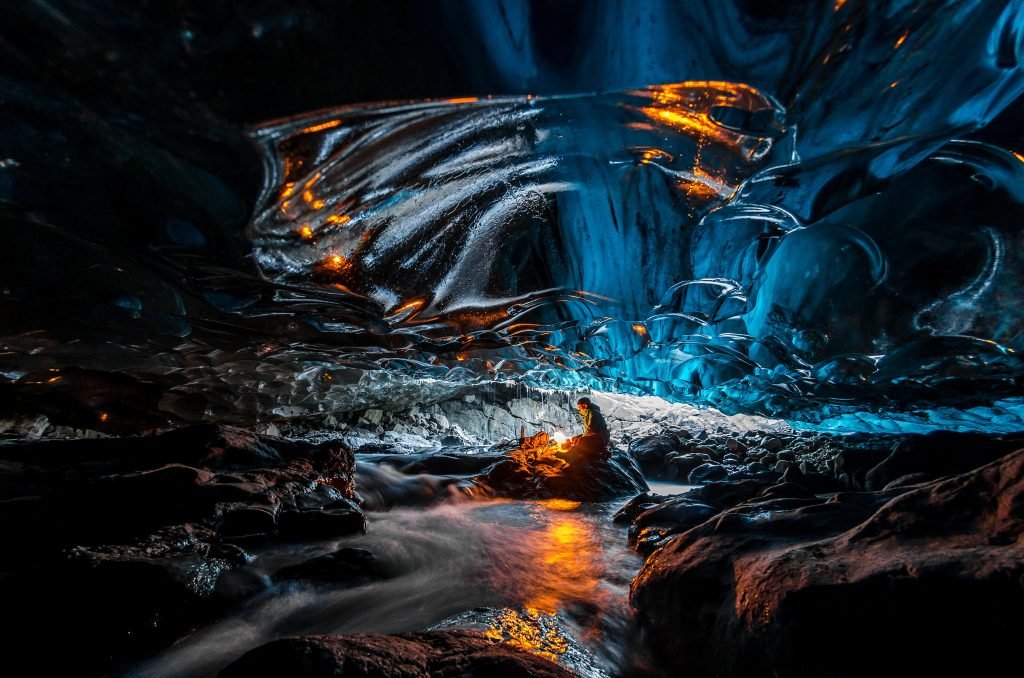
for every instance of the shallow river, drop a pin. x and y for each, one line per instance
(549, 576)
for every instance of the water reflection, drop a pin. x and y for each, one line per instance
(548, 577)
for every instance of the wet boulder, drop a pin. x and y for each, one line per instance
(581, 480)
(939, 454)
(684, 463)
(921, 581)
(654, 519)
(637, 505)
(129, 538)
(706, 473)
(651, 528)
(336, 519)
(651, 453)
(435, 654)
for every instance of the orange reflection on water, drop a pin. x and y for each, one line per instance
(565, 570)
(567, 563)
(526, 631)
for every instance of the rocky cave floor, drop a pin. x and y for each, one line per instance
(796, 554)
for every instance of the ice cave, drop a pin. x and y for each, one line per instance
(594, 338)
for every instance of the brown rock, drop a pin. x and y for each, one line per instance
(438, 654)
(927, 583)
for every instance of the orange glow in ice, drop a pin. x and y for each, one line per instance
(306, 232)
(321, 127)
(336, 263)
(413, 305)
(687, 122)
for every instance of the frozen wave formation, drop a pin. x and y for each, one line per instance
(666, 240)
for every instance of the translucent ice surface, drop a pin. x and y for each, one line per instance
(817, 218)
(666, 240)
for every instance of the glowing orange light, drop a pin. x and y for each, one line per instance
(894, 83)
(288, 189)
(462, 100)
(306, 232)
(1018, 155)
(688, 122)
(318, 204)
(838, 5)
(559, 437)
(903, 39)
(649, 154)
(336, 263)
(321, 127)
(560, 504)
(568, 564)
(308, 196)
(413, 305)
(523, 630)
(338, 219)
(104, 416)
(52, 379)
(640, 329)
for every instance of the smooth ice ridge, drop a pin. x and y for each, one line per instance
(663, 241)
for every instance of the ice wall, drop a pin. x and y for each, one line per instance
(821, 224)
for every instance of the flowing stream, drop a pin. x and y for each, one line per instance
(548, 576)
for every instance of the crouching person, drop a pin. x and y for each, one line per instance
(594, 444)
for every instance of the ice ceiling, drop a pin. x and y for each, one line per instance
(829, 230)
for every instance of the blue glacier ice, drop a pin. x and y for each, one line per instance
(668, 240)
(808, 210)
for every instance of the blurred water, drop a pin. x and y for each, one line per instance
(548, 576)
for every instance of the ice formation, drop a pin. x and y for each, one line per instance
(824, 227)
(666, 241)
